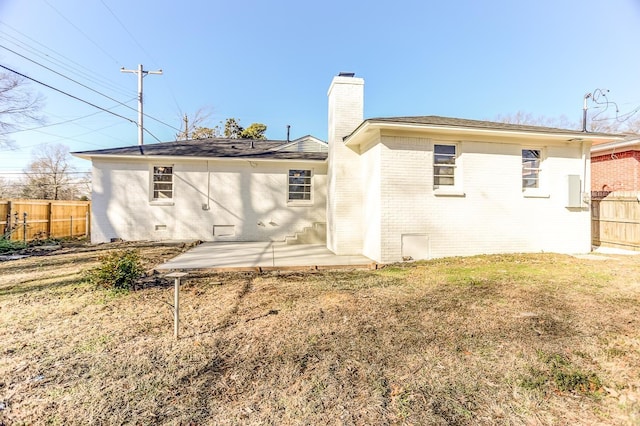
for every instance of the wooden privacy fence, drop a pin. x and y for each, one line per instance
(615, 219)
(31, 219)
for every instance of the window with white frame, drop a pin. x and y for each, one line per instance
(530, 168)
(299, 185)
(162, 186)
(444, 165)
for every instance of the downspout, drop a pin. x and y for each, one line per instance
(586, 194)
(207, 205)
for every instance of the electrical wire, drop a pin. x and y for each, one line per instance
(82, 32)
(127, 31)
(620, 118)
(154, 136)
(143, 50)
(50, 184)
(68, 78)
(65, 93)
(87, 87)
(41, 173)
(59, 123)
(87, 74)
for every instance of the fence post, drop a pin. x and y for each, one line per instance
(7, 227)
(24, 227)
(50, 222)
(71, 226)
(86, 224)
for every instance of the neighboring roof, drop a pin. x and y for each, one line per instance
(306, 143)
(434, 122)
(208, 148)
(630, 143)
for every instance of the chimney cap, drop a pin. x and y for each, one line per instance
(346, 74)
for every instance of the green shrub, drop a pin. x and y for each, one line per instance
(8, 246)
(118, 270)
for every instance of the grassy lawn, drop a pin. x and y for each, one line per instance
(511, 339)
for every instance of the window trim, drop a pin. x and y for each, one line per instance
(152, 182)
(454, 190)
(295, 202)
(541, 190)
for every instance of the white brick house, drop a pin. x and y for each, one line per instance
(212, 190)
(390, 189)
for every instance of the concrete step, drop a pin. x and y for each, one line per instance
(315, 234)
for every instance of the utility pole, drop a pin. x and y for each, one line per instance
(141, 73)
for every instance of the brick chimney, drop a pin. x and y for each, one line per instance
(344, 178)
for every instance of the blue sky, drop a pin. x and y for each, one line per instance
(272, 62)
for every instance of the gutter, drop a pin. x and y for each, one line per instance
(370, 126)
(183, 158)
(615, 145)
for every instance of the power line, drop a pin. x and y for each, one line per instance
(85, 86)
(87, 74)
(143, 50)
(68, 78)
(42, 173)
(51, 184)
(74, 67)
(127, 31)
(65, 93)
(154, 136)
(81, 32)
(58, 123)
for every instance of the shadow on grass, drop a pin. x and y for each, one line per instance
(45, 262)
(24, 288)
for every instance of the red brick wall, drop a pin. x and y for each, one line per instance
(616, 172)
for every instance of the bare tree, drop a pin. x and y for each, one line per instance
(18, 105)
(597, 122)
(50, 175)
(205, 132)
(194, 124)
(527, 118)
(630, 124)
(8, 188)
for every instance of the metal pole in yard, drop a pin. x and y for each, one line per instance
(176, 300)
(176, 308)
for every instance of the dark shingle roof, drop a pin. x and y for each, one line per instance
(434, 120)
(214, 148)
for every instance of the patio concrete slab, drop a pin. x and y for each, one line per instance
(270, 255)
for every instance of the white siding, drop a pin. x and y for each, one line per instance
(250, 196)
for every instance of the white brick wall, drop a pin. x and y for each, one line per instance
(250, 196)
(493, 216)
(371, 221)
(344, 204)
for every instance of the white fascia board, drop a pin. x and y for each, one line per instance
(182, 158)
(611, 146)
(360, 135)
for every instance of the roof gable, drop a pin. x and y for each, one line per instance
(306, 143)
